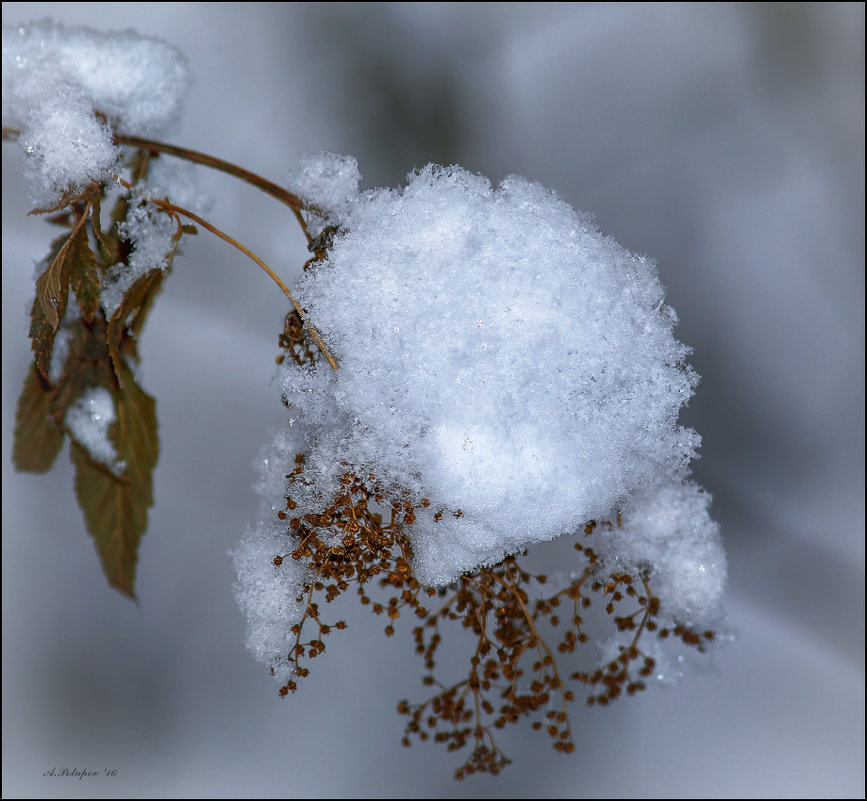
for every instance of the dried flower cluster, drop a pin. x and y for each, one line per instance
(362, 539)
(513, 670)
(462, 416)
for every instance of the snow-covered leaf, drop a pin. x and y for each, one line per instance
(116, 507)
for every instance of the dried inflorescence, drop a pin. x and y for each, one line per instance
(519, 623)
(521, 626)
(295, 342)
(349, 543)
(519, 630)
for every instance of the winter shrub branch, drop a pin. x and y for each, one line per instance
(469, 370)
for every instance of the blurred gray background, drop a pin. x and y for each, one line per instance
(727, 141)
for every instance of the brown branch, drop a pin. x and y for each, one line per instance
(151, 146)
(269, 187)
(539, 641)
(169, 208)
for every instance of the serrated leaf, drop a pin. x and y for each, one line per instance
(52, 287)
(42, 325)
(83, 273)
(136, 322)
(137, 443)
(41, 338)
(114, 516)
(116, 507)
(38, 438)
(131, 314)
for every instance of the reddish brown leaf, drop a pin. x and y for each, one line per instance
(38, 438)
(114, 517)
(52, 287)
(83, 274)
(43, 324)
(116, 507)
(131, 314)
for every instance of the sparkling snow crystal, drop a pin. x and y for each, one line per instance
(503, 359)
(55, 78)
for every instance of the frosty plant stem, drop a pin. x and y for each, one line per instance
(270, 188)
(194, 156)
(509, 376)
(169, 208)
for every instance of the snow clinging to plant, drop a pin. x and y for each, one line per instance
(55, 80)
(503, 359)
(89, 420)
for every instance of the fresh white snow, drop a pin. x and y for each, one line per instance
(502, 358)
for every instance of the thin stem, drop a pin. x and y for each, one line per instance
(646, 612)
(151, 146)
(270, 188)
(171, 209)
(283, 195)
(539, 641)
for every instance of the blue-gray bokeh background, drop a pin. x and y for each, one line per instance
(727, 141)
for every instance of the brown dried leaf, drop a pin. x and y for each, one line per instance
(38, 438)
(114, 249)
(44, 316)
(87, 364)
(114, 517)
(116, 507)
(83, 273)
(41, 338)
(131, 314)
(52, 287)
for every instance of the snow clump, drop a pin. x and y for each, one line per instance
(55, 77)
(503, 359)
(89, 420)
